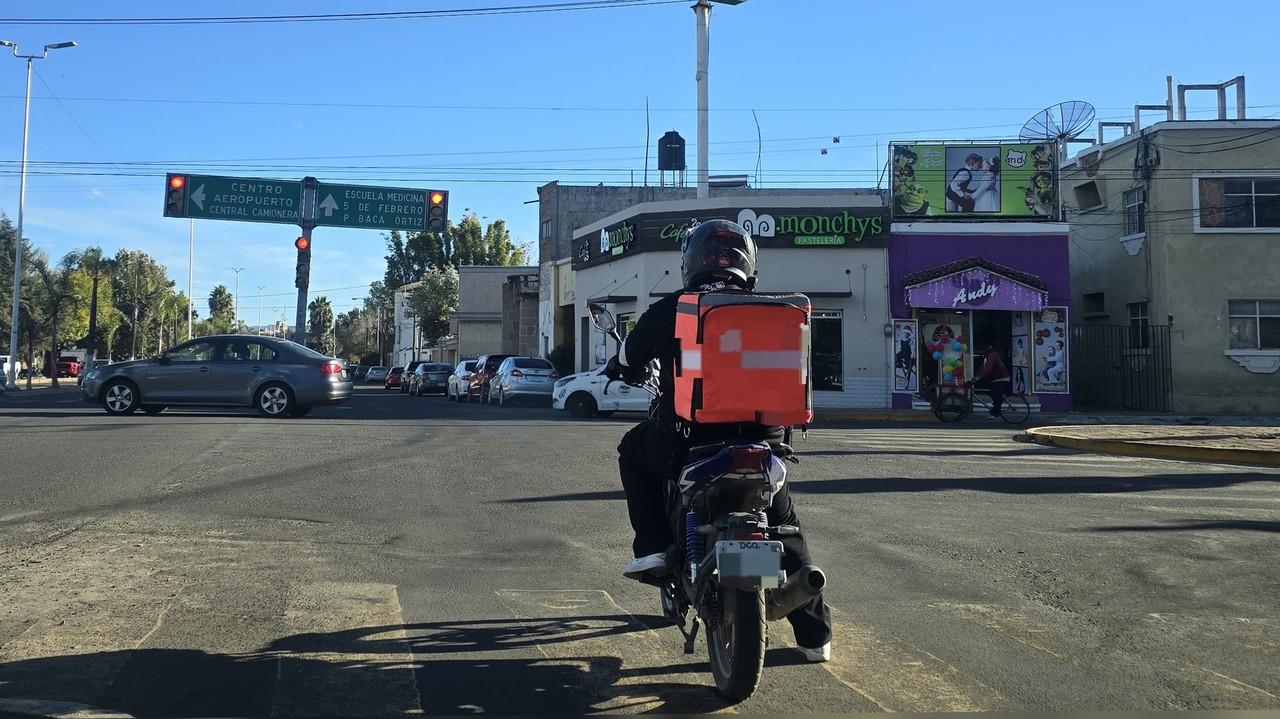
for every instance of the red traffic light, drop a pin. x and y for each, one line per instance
(177, 181)
(302, 244)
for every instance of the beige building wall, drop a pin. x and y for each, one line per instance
(1186, 273)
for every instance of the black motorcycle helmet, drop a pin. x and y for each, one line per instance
(718, 250)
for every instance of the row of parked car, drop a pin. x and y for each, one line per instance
(492, 378)
(505, 379)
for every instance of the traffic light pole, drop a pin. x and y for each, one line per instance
(308, 223)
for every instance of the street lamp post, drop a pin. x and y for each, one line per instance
(235, 309)
(260, 289)
(22, 197)
(702, 8)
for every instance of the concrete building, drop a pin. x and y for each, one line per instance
(478, 324)
(406, 339)
(1175, 266)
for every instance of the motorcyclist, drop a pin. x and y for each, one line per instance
(715, 255)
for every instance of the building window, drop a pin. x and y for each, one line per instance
(546, 229)
(827, 364)
(1239, 202)
(1095, 304)
(1135, 211)
(1139, 336)
(1255, 324)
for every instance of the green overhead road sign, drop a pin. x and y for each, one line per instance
(243, 199)
(372, 208)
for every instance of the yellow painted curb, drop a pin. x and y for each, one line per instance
(1159, 451)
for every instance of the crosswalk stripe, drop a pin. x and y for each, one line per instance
(591, 624)
(346, 671)
(900, 677)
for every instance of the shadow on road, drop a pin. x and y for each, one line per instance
(1250, 525)
(1033, 485)
(493, 666)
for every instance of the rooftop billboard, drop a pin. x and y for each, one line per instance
(969, 180)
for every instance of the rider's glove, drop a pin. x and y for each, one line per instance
(614, 370)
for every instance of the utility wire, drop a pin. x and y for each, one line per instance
(344, 17)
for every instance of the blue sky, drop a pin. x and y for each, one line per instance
(491, 106)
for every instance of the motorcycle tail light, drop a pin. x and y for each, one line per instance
(749, 460)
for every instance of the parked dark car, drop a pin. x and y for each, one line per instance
(394, 376)
(359, 372)
(430, 378)
(486, 368)
(277, 377)
(407, 374)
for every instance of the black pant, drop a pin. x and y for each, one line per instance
(652, 452)
(998, 389)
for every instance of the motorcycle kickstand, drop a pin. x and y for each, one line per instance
(691, 636)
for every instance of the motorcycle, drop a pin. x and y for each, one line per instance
(727, 561)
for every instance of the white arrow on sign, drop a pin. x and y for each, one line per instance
(328, 206)
(198, 197)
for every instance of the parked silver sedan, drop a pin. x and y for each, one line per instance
(523, 378)
(376, 375)
(277, 377)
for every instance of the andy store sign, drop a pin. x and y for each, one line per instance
(975, 289)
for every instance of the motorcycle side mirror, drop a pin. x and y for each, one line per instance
(602, 318)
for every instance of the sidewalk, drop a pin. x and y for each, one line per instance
(1213, 438)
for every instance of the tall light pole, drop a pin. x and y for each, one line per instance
(235, 310)
(22, 198)
(702, 8)
(260, 289)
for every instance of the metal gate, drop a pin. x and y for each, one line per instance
(1121, 367)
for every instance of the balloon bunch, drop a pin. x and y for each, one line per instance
(953, 365)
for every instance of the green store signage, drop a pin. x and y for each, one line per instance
(790, 227)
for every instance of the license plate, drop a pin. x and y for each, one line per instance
(750, 563)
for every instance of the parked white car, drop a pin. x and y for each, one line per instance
(583, 395)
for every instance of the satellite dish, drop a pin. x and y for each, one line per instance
(1061, 123)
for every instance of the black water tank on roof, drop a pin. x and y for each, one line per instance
(671, 152)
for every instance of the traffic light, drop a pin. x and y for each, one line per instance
(175, 196)
(437, 210)
(303, 276)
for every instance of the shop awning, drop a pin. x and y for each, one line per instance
(611, 299)
(975, 283)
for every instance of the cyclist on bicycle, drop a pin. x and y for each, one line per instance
(993, 377)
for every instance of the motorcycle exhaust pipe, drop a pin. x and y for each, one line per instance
(799, 588)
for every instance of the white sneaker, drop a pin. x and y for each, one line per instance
(821, 654)
(640, 565)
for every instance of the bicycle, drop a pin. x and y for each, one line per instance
(954, 403)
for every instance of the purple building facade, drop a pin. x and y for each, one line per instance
(956, 288)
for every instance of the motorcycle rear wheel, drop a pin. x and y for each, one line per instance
(736, 641)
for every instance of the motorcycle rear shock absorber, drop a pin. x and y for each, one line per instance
(694, 542)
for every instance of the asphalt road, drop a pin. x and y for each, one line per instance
(401, 554)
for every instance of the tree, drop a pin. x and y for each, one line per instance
(139, 288)
(57, 293)
(467, 243)
(221, 307)
(321, 335)
(432, 301)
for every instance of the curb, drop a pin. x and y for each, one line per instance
(873, 416)
(1046, 436)
(63, 710)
